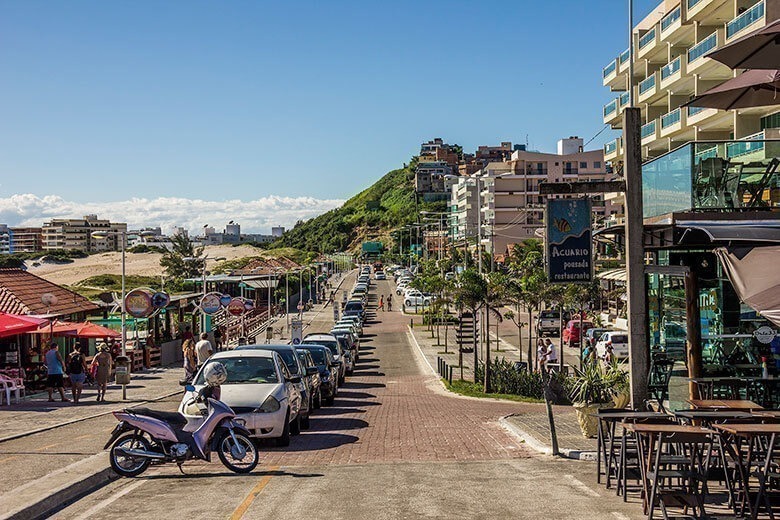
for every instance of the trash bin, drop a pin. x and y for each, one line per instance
(122, 370)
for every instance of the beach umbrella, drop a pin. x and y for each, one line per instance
(753, 88)
(91, 330)
(759, 49)
(13, 324)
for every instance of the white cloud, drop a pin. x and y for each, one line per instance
(255, 216)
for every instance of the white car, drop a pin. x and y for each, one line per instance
(618, 340)
(336, 348)
(355, 320)
(380, 275)
(259, 388)
(346, 322)
(415, 298)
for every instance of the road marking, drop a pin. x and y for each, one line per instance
(244, 506)
(581, 486)
(110, 500)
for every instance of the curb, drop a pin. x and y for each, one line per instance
(539, 446)
(422, 354)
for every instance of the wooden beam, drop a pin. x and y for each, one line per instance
(565, 188)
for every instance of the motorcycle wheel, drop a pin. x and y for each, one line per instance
(125, 465)
(226, 449)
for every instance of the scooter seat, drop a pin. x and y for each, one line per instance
(175, 419)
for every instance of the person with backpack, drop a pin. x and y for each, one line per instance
(77, 372)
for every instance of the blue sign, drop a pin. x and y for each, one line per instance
(568, 244)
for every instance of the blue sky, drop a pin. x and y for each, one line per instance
(244, 100)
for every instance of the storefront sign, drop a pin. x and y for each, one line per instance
(236, 307)
(764, 335)
(211, 303)
(138, 303)
(569, 248)
(225, 300)
(160, 300)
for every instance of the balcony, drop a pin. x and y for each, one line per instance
(613, 149)
(623, 100)
(648, 132)
(648, 88)
(611, 111)
(749, 18)
(747, 145)
(698, 115)
(672, 122)
(671, 72)
(703, 47)
(671, 22)
(648, 43)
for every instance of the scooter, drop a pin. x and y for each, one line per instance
(145, 436)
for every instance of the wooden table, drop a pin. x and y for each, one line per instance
(732, 434)
(709, 416)
(646, 439)
(706, 385)
(724, 404)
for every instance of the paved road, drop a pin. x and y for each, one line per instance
(394, 445)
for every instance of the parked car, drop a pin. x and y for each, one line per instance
(618, 340)
(260, 389)
(328, 368)
(349, 345)
(331, 342)
(290, 357)
(592, 336)
(355, 320)
(380, 275)
(355, 308)
(571, 334)
(548, 322)
(315, 383)
(415, 298)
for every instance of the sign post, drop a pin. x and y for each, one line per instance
(296, 333)
(568, 244)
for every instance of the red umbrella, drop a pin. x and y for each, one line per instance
(13, 324)
(753, 88)
(758, 50)
(91, 330)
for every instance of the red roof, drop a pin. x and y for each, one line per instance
(20, 293)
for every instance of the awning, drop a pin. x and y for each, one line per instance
(260, 284)
(765, 232)
(13, 324)
(755, 277)
(618, 274)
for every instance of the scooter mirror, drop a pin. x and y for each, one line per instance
(189, 388)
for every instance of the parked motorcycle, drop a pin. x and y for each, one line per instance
(145, 436)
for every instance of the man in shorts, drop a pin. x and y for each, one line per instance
(55, 370)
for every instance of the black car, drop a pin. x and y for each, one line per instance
(314, 377)
(328, 369)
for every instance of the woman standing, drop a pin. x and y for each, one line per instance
(77, 371)
(190, 359)
(541, 355)
(102, 362)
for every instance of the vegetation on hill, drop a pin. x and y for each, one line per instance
(387, 204)
(57, 256)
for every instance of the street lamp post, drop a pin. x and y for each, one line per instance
(123, 235)
(205, 261)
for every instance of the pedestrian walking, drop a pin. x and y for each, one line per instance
(190, 359)
(203, 349)
(55, 371)
(541, 355)
(389, 302)
(609, 355)
(552, 356)
(77, 372)
(218, 338)
(381, 303)
(102, 364)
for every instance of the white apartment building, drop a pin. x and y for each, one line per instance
(77, 234)
(5, 239)
(671, 66)
(464, 205)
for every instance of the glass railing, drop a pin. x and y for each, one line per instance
(624, 99)
(749, 144)
(703, 47)
(647, 84)
(670, 18)
(624, 56)
(670, 118)
(647, 38)
(671, 68)
(609, 69)
(610, 107)
(611, 147)
(746, 19)
(692, 3)
(692, 111)
(648, 129)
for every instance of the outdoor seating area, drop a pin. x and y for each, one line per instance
(718, 457)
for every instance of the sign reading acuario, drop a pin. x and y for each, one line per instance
(568, 244)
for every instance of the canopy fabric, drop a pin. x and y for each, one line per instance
(618, 274)
(13, 324)
(753, 88)
(732, 232)
(260, 284)
(78, 330)
(759, 49)
(755, 278)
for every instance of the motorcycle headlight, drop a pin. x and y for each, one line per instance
(270, 405)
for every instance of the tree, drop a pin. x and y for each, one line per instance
(174, 262)
(492, 305)
(469, 294)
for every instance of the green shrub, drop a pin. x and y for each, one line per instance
(506, 379)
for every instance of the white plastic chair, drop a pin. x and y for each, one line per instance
(8, 385)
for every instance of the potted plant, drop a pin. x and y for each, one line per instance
(590, 391)
(618, 384)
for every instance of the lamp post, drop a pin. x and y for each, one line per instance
(123, 235)
(205, 260)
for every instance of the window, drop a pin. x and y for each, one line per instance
(770, 121)
(597, 164)
(583, 165)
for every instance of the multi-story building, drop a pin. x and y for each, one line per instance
(26, 239)
(77, 234)
(5, 239)
(671, 66)
(464, 208)
(512, 209)
(429, 177)
(277, 231)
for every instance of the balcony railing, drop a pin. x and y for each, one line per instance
(624, 56)
(624, 98)
(745, 146)
(648, 38)
(610, 147)
(648, 129)
(692, 3)
(647, 84)
(610, 107)
(609, 69)
(746, 19)
(670, 18)
(670, 68)
(692, 111)
(703, 47)
(670, 118)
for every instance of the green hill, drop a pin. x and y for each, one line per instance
(372, 213)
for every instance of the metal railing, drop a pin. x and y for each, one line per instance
(648, 38)
(647, 84)
(648, 129)
(610, 107)
(670, 118)
(609, 69)
(703, 47)
(671, 68)
(670, 18)
(746, 19)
